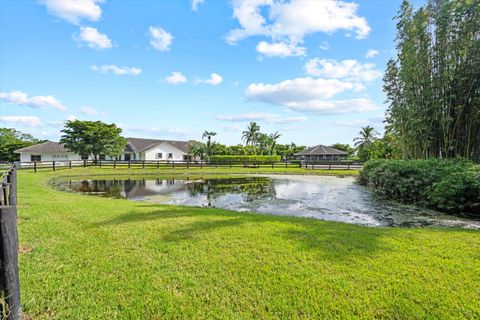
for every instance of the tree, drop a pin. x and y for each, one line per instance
(273, 139)
(250, 136)
(366, 136)
(364, 141)
(344, 147)
(198, 149)
(209, 135)
(93, 138)
(11, 140)
(432, 84)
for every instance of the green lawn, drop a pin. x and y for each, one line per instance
(86, 257)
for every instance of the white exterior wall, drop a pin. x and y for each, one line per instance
(165, 149)
(51, 156)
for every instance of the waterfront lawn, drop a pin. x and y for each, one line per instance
(86, 257)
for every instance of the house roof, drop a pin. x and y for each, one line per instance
(133, 145)
(321, 150)
(141, 145)
(48, 146)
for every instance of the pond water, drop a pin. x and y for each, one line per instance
(322, 197)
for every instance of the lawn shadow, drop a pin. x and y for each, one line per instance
(333, 240)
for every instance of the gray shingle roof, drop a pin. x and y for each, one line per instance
(134, 145)
(321, 150)
(48, 146)
(141, 145)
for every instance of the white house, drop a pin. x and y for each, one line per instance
(136, 149)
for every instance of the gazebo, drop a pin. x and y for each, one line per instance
(321, 153)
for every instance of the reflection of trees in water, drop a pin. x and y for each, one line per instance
(250, 188)
(109, 188)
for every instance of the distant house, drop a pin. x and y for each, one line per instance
(321, 152)
(136, 149)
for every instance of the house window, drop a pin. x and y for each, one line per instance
(101, 157)
(127, 157)
(35, 157)
(84, 158)
(185, 157)
(170, 155)
(160, 155)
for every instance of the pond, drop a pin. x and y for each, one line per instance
(320, 197)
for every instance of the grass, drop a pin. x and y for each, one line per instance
(85, 257)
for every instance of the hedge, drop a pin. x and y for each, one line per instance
(444, 185)
(244, 159)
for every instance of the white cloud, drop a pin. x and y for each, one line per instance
(91, 111)
(335, 106)
(74, 10)
(176, 78)
(260, 116)
(299, 89)
(350, 70)
(372, 53)
(71, 118)
(195, 4)
(309, 95)
(93, 38)
(292, 20)
(280, 49)
(215, 79)
(21, 98)
(161, 39)
(30, 121)
(117, 70)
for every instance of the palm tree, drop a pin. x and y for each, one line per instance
(250, 136)
(209, 135)
(366, 136)
(273, 140)
(199, 150)
(264, 142)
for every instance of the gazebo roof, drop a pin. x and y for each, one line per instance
(321, 150)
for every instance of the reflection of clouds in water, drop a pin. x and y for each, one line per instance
(320, 197)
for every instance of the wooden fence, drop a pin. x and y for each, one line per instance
(9, 281)
(54, 165)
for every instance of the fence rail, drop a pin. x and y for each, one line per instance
(54, 165)
(9, 280)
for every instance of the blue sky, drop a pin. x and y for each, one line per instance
(311, 70)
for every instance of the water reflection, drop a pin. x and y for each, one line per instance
(327, 198)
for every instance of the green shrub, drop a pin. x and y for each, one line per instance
(449, 186)
(258, 159)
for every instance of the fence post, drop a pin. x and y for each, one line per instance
(158, 164)
(348, 165)
(215, 164)
(128, 164)
(70, 164)
(100, 163)
(201, 164)
(230, 164)
(84, 163)
(9, 279)
(53, 165)
(143, 164)
(188, 164)
(272, 164)
(173, 164)
(114, 164)
(329, 166)
(35, 166)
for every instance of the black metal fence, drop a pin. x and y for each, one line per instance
(9, 280)
(158, 164)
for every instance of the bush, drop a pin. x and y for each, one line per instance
(444, 185)
(244, 159)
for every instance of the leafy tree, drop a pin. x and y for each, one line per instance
(250, 136)
(209, 135)
(432, 85)
(273, 142)
(93, 138)
(11, 140)
(344, 147)
(198, 149)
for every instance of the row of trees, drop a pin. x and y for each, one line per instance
(11, 140)
(256, 143)
(433, 84)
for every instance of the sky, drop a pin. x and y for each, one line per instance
(309, 69)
